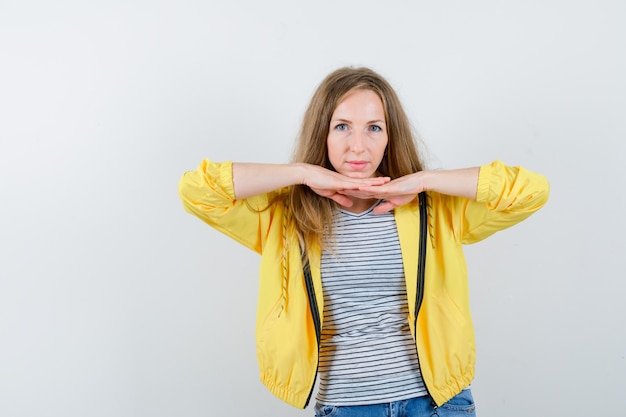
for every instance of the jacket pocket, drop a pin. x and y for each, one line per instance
(270, 319)
(449, 311)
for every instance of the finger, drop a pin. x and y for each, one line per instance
(355, 184)
(379, 180)
(384, 207)
(342, 200)
(349, 187)
(376, 188)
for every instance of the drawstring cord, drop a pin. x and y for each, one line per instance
(283, 259)
(431, 228)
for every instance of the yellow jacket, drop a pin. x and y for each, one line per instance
(289, 316)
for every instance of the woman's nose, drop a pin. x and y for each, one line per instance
(356, 143)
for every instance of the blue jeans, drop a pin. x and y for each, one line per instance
(461, 405)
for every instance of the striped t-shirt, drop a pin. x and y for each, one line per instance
(367, 353)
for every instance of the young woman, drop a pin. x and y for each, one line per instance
(363, 278)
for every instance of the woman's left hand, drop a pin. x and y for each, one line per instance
(456, 182)
(394, 193)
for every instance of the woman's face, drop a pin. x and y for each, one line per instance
(357, 136)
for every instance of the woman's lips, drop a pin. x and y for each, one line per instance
(357, 165)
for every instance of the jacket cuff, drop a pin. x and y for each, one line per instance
(485, 177)
(226, 178)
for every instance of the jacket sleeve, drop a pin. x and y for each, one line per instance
(208, 193)
(505, 196)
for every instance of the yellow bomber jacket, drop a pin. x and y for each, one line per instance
(290, 312)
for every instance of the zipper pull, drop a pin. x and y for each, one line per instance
(435, 407)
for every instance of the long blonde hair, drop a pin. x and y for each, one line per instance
(312, 213)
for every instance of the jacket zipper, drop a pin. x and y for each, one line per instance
(421, 267)
(310, 289)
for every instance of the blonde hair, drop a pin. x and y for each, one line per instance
(312, 213)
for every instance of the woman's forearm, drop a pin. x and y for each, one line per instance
(250, 179)
(457, 182)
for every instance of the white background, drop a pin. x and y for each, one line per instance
(115, 302)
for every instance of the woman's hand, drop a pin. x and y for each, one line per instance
(395, 193)
(250, 179)
(335, 186)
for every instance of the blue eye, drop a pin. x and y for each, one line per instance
(341, 127)
(375, 128)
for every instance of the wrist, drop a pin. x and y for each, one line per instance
(423, 180)
(300, 171)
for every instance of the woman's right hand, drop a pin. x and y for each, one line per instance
(250, 179)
